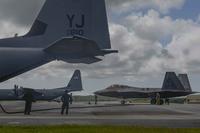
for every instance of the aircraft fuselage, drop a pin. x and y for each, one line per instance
(45, 95)
(143, 94)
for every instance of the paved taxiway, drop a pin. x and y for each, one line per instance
(175, 115)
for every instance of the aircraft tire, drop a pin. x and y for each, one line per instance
(161, 102)
(153, 101)
(123, 102)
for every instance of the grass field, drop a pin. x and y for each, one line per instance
(90, 129)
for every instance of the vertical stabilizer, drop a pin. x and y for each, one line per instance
(75, 84)
(67, 18)
(185, 81)
(171, 82)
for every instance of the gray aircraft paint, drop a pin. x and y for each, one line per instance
(75, 84)
(171, 82)
(172, 87)
(185, 81)
(74, 31)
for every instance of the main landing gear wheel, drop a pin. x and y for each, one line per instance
(153, 101)
(123, 102)
(161, 102)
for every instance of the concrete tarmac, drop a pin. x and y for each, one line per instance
(110, 113)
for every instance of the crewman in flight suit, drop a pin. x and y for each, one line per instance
(66, 100)
(28, 97)
(96, 99)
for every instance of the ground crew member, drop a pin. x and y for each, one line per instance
(28, 97)
(157, 99)
(66, 99)
(96, 99)
(71, 100)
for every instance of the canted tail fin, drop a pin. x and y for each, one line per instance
(185, 82)
(75, 84)
(171, 82)
(67, 18)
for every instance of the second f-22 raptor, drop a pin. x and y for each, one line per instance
(74, 31)
(173, 86)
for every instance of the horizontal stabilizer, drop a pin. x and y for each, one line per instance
(76, 50)
(71, 46)
(88, 60)
(109, 51)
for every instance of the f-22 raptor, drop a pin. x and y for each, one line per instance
(73, 31)
(173, 86)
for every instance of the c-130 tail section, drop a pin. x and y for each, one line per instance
(73, 31)
(75, 84)
(66, 18)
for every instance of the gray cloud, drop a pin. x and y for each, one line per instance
(164, 6)
(23, 12)
(20, 12)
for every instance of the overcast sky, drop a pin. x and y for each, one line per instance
(153, 36)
